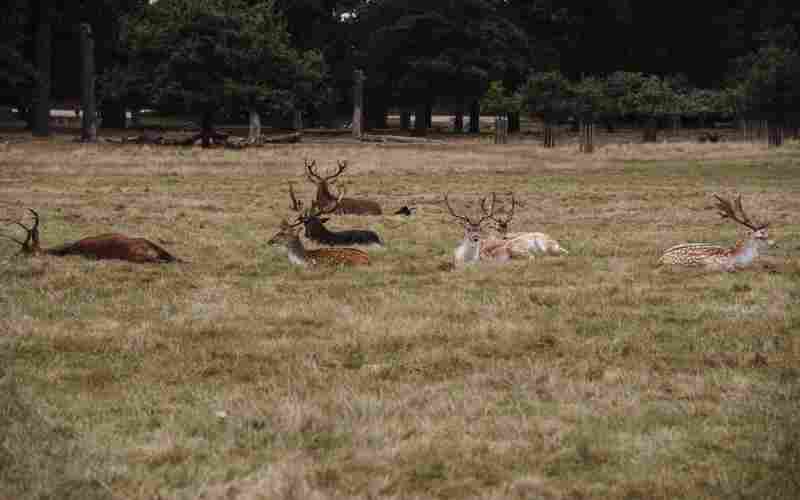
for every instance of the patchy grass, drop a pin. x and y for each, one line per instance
(594, 375)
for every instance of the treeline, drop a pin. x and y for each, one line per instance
(563, 59)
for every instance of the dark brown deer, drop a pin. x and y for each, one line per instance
(325, 198)
(103, 246)
(316, 230)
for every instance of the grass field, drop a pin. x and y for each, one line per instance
(594, 375)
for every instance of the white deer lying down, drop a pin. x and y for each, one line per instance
(474, 248)
(715, 257)
(522, 245)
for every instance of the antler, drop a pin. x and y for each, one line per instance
(728, 210)
(502, 224)
(297, 206)
(490, 213)
(312, 174)
(31, 242)
(340, 167)
(453, 213)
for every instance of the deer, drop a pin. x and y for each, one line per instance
(474, 248)
(104, 246)
(289, 237)
(315, 225)
(351, 206)
(524, 244)
(715, 257)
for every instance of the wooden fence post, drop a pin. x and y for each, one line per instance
(88, 104)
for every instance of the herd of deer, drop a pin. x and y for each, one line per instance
(476, 246)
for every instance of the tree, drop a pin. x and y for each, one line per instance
(216, 55)
(549, 96)
(421, 53)
(769, 86)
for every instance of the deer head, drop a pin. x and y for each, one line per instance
(323, 183)
(314, 213)
(472, 229)
(735, 212)
(31, 243)
(502, 224)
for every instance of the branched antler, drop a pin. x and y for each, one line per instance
(735, 211)
(502, 224)
(31, 243)
(487, 213)
(453, 213)
(297, 205)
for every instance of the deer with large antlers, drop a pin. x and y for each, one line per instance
(527, 244)
(289, 237)
(103, 246)
(474, 248)
(352, 206)
(315, 225)
(741, 255)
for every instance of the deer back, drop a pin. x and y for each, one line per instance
(115, 246)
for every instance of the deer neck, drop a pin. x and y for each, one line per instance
(324, 196)
(296, 251)
(745, 251)
(468, 251)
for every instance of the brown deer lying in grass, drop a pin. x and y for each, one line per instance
(103, 246)
(289, 237)
(316, 230)
(474, 247)
(524, 244)
(325, 197)
(741, 255)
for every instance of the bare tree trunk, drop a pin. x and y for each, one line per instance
(358, 104)
(549, 135)
(650, 130)
(458, 121)
(44, 55)
(421, 120)
(405, 120)
(775, 134)
(297, 120)
(501, 130)
(475, 117)
(587, 136)
(206, 128)
(89, 121)
(255, 125)
(513, 122)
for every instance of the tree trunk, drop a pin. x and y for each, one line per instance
(255, 125)
(207, 128)
(549, 135)
(775, 134)
(405, 120)
(475, 117)
(44, 55)
(420, 120)
(513, 122)
(113, 115)
(587, 136)
(358, 104)
(89, 121)
(429, 115)
(297, 120)
(458, 121)
(650, 130)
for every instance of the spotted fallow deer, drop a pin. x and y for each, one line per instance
(715, 257)
(351, 206)
(289, 237)
(474, 248)
(524, 245)
(103, 246)
(315, 225)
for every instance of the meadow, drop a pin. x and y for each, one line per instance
(595, 375)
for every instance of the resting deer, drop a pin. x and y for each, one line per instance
(289, 237)
(524, 244)
(103, 246)
(473, 247)
(741, 255)
(325, 197)
(316, 230)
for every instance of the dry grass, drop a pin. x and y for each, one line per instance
(236, 376)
